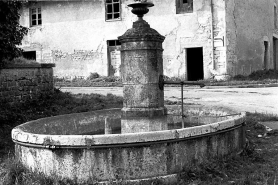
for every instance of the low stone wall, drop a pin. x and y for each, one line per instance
(21, 82)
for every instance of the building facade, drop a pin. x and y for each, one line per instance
(204, 38)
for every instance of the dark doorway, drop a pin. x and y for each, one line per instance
(195, 64)
(275, 53)
(114, 57)
(31, 55)
(265, 54)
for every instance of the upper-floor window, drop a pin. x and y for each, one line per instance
(35, 16)
(184, 6)
(113, 43)
(113, 9)
(275, 17)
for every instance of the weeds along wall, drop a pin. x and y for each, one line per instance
(21, 82)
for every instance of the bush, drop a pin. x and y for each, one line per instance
(239, 77)
(111, 79)
(11, 32)
(93, 76)
(258, 75)
(58, 79)
(21, 60)
(264, 74)
(17, 174)
(174, 79)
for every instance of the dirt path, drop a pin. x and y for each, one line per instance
(263, 100)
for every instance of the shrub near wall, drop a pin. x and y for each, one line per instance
(19, 82)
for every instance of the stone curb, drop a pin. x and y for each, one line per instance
(167, 179)
(242, 86)
(192, 87)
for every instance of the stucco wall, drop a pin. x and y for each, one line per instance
(219, 37)
(183, 31)
(249, 24)
(22, 82)
(73, 35)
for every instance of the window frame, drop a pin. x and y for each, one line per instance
(38, 11)
(115, 42)
(112, 45)
(113, 12)
(31, 52)
(183, 8)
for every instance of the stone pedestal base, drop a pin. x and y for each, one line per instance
(143, 120)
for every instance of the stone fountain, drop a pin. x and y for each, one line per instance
(87, 148)
(142, 65)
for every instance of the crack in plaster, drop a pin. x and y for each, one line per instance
(174, 30)
(181, 64)
(100, 49)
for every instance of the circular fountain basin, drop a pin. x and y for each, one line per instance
(75, 147)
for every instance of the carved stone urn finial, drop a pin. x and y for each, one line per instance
(140, 8)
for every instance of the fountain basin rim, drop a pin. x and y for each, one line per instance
(22, 137)
(121, 145)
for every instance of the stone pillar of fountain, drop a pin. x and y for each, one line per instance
(141, 66)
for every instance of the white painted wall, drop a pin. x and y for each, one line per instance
(73, 35)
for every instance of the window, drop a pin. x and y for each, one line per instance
(184, 6)
(113, 9)
(275, 55)
(35, 16)
(265, 54)
(275, 17)
(114, 57)
(113, 43)
(31, 55)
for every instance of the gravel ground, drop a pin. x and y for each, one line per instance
(263, 100)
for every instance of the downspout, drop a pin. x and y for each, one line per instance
(212, 36)
(225, 41)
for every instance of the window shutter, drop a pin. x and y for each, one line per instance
(178, 6)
